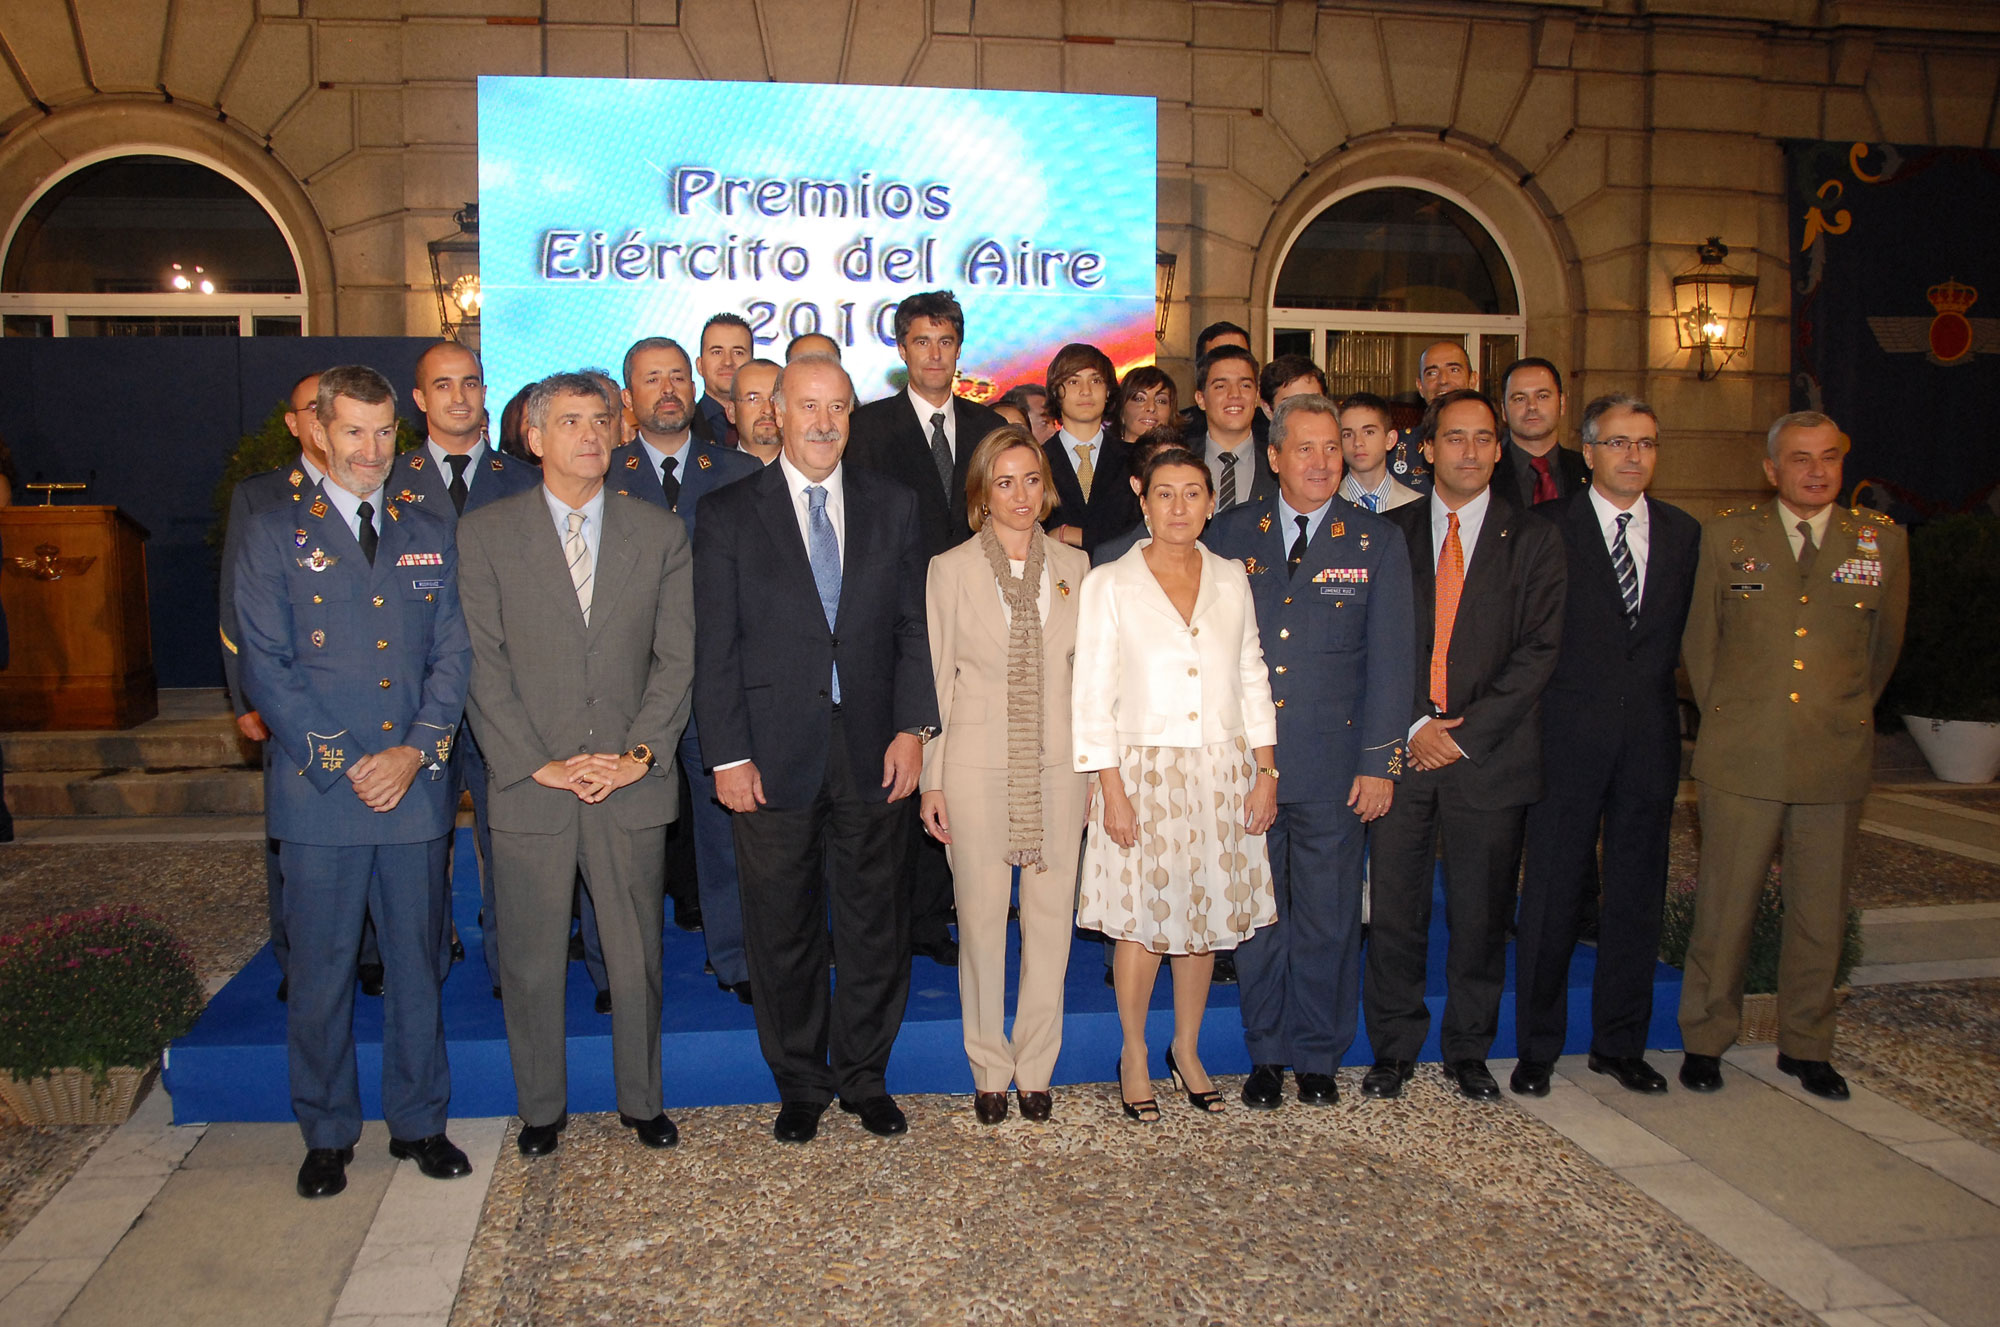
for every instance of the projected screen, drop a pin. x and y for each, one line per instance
(612, 209)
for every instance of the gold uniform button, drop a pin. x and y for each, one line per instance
(1799, 664)
(1288, 598)
(1192, 715)
(1284, 633)
(1194, 672)
(1859, 605)
(1795, 698)
(1194, 631)
(1083, 760)
(378, 601)
(1804, 599)
(1281, 704)
(387, 726)
(384, 684)
(381, 644)
(430, 598)
(317, 600)
(1800, 632)
(1281, 668)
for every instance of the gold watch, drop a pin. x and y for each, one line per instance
(643, 754)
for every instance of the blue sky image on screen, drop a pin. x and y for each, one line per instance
(612, 209)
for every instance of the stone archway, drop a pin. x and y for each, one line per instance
(38, 153)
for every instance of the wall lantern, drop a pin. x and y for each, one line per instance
(1712, 303)
(1163, 291)
(455, 275)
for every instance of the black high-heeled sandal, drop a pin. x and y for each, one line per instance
(1208, 1103)
(1145, 1112)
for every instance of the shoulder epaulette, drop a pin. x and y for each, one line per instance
(1725, 511)
(1870, 514)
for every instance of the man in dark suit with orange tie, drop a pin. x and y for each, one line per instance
(1613, 715)
(1488, 583)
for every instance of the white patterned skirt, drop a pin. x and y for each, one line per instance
(1196, 880)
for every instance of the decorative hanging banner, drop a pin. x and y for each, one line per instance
(1896, 315)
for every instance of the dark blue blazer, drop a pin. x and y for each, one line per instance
(886, 436)
(1339, 636)
(1613, 685)
(286, 486)
(764, 658)
(1112, 506)
(344, 659)
(704, 468)
(418, 480)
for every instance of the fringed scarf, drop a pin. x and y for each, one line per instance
(1024, 695)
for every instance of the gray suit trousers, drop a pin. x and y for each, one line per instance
(533, 876)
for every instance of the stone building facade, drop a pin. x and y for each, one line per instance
(1600, 140)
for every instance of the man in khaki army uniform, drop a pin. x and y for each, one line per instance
(1797, 619)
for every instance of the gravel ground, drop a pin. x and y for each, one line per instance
(1934, 1048)
(1428, 1210)
(1891, 873)
(212, 894)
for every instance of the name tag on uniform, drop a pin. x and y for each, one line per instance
(426, 585)
(1345, 591)
(1341, 576)
(1749, 587)
(421, 560)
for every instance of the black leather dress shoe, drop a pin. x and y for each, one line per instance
(688, 919)
(990, 1107)
(1318, 1090)
(1385, 1080)
(1225, 968)
(604, 1002)
(880, 1116)
(658, 1132)
(284, 988)
(436, 1156)
(798, 1121)
(943, 951)
(538, 1140)
(457, 950)
(741, 990)
(1631, 1071)
(324, 1172)
(1701, 1073)
(371, 979)
(1474, 1080)
(1529, 1079)
(1815, 1076)
(1264, 1089)
(1036, 1106)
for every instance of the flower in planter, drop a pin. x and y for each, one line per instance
(1760, 970)
(95, 990)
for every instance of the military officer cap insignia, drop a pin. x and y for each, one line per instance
(1264, 526)
(631, 463)
(703, 462)
(416, 463)
(319, 639)
(319, 561)
(319, 507)
(297, 477)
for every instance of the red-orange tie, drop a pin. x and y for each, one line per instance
(1450, 584)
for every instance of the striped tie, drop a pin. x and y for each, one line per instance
(823, 552)
(1227, 498)
(1450, 584)
(1627, 570)
(579, 563)
(1372, 501)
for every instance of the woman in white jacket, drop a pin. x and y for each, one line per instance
(1171, 704)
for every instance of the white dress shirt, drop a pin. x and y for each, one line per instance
(1246, 467)
(1818, 523)
(317, 475)
(1288, 521)
(349, 507)
(1638, 532)
(925, 410)
(593, 523)
(1471, 518)
(836, 504)
(475, 456)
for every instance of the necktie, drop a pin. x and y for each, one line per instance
(670, 483)
(578, 553)
(1806, 548)
(1545, 480)
(1298, 553)
(823, 551)
(1450, 584)
(1627, 571)
(1372, 501)
(941, 451)
(1228, 497)
(1085, 472)
(368, 539)
(457, 487)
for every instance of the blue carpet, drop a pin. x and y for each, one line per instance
(232, 1065)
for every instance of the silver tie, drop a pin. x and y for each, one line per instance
(579, 563)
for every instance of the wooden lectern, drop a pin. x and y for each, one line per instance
(73, 580)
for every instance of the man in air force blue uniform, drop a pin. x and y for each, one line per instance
(1332, 587)
(356, 654)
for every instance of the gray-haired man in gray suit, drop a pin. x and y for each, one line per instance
(580, 606)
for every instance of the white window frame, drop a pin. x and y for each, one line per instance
(59, 307)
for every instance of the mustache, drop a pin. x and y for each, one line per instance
(822, 435)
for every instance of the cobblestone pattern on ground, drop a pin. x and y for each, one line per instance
(1934, 1048)
(1427, 1210)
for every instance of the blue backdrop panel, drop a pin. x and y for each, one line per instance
(149, 422)
(232, 1065)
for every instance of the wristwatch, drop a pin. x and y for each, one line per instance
(643, 754)
(923, 735)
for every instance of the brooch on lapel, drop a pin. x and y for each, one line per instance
(298, 539)
(703, 462)
(1264, 526)
(407, 496)
(631, 463)
(319, 639)
(623, 494)
(496, 464)
(416, 463)
(319, 561)
(297, 477)
(1252, 566)
(319, 507)
(1062, 588)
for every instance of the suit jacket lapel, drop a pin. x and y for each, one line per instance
(615, 558)
(1069, 493)
(781, 524)
(1583, 516)
(542, 551)
(859, 545)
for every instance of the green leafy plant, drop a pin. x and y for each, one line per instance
(268, 447)
(1760, 973)
(96, 989)
(1953, 637)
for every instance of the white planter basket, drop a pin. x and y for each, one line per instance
(1959, 751)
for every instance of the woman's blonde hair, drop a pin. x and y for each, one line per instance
(979, 472)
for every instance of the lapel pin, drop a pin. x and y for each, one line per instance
(319, 507)
(297, 477)
(1264, 526)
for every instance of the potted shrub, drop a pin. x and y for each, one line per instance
(1760, 971)
(1947, 687)
(88, 1000)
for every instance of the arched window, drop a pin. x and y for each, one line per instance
(149, 245)
(1380, 273)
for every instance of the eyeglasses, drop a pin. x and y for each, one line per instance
(1640, 445)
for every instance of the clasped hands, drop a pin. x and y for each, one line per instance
(1432, 747)
(381, 780)
(592, 776)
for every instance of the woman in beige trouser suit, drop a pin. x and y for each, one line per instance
(997, 785)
